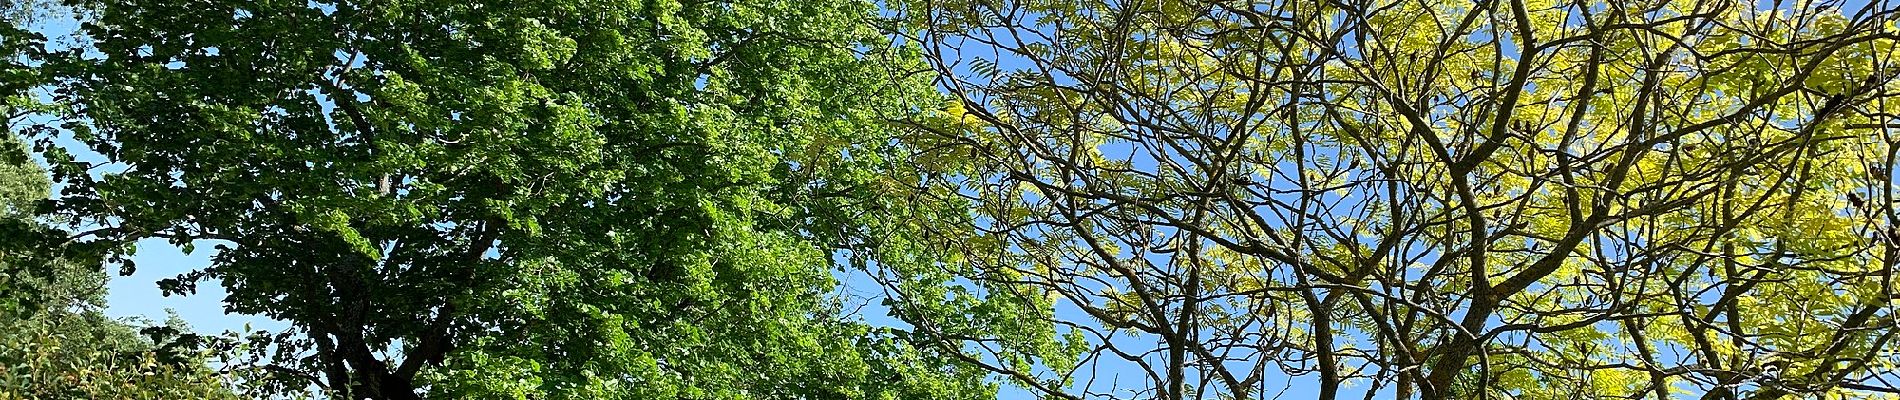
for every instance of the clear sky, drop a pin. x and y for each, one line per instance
(138, 295)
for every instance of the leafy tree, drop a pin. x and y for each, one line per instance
(22, 184)
(507, 199)
(56, 342)
(1463, 199)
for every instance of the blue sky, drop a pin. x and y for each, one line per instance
(137, 296)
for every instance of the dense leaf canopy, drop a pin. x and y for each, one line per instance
(513, 199)
(56, 341)
(1463, 199)
(1083, 199)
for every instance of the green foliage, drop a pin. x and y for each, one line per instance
(508, 199)
(81, 354)
(57, 344)
(1513, 199)
(26, 246)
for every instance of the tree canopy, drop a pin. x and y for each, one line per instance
(56, 341)
(541, 199)
(1464, 199)
(1081, 199)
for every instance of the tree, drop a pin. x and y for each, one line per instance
(506, 199)
(29, 243)
(57, 342)
(1466, 199)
